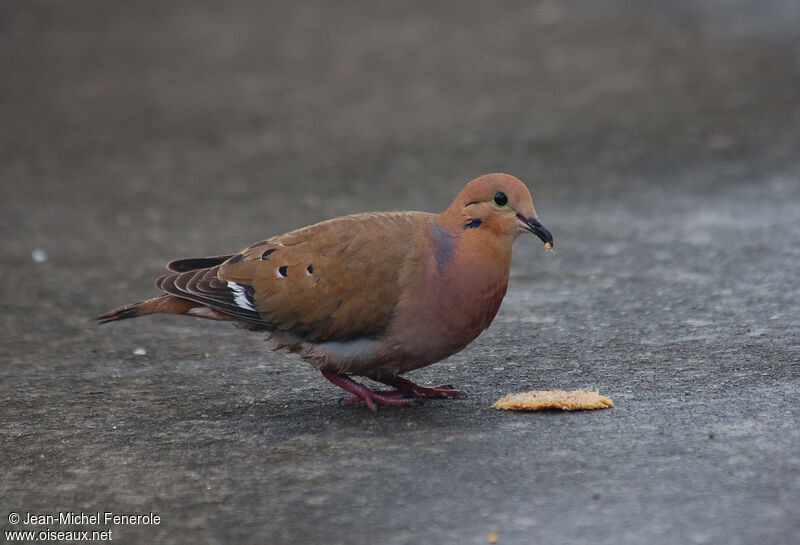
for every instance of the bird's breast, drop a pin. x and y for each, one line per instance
(455, 302)
(465, 297)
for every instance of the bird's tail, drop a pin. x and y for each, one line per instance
(164, 304)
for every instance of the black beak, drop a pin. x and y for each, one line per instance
(535, 226)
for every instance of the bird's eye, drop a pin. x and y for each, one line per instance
(500, 199)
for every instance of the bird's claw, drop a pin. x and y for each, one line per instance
(411, 389)
(405, 392)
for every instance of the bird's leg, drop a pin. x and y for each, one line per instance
(361, 392)
(382, 393)
(404, 388)
(410, 389)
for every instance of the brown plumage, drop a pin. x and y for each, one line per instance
(375, 294)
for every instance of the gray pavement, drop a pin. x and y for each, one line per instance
(661, 140)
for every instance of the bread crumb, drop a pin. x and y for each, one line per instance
(538, 400)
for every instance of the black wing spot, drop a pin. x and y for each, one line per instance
(266, 254)
(282, 270)
(235, 259)
(310, 269)
(259, 244)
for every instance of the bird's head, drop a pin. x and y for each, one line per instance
(499, 204)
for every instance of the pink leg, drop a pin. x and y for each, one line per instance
(408, 388)
(404, 388)
(394, 394)
(361, 392)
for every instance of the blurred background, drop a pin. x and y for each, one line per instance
(660, 141)
(158, 129)
(246, 111)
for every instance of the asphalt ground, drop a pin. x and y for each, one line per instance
(661, 142)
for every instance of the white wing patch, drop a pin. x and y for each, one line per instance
(240, 296)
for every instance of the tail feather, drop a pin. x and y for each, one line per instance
(165, 304)
(194, 263)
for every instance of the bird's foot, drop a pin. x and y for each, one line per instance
(362, 393)
(382, 397)
(407, 388)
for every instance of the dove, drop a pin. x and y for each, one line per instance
(372, 295)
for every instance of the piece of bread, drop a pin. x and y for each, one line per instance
(538, 400)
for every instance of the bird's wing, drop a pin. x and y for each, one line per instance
(336, 280)
(204, 286)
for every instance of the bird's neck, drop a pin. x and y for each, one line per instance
(480, 247)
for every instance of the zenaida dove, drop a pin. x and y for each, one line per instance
(375, 294)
